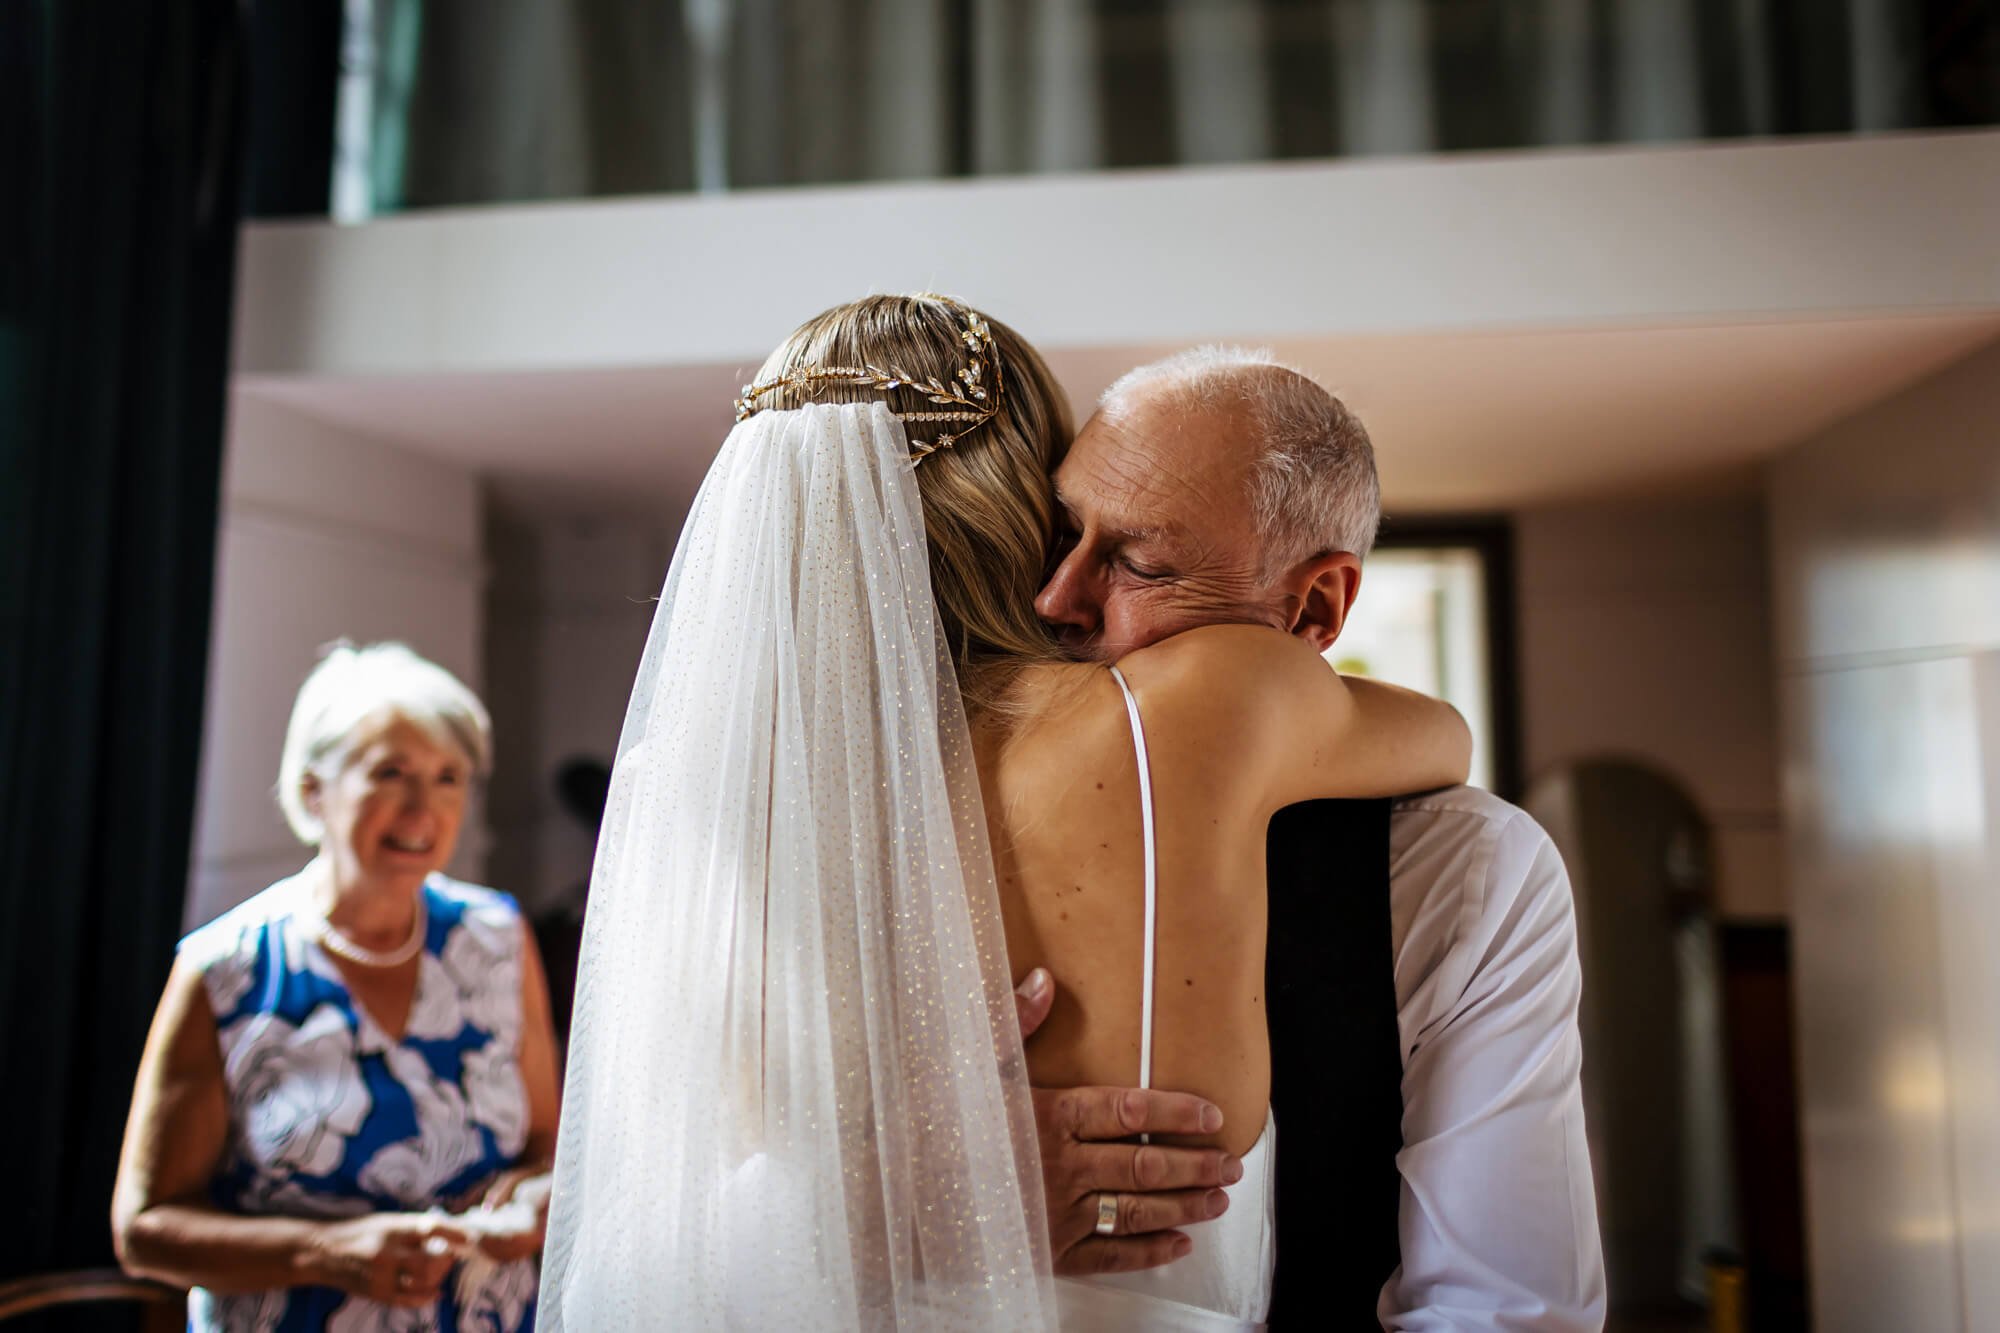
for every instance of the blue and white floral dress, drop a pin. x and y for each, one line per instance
(331, 1117)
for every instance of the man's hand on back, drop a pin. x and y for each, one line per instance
(1086, 1157)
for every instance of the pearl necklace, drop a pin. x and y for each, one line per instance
(336, 942)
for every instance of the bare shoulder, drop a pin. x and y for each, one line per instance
(1228, 682)
(1049, 702)
(185, 997)
(1058, 716)
(1214, 665)
(1213, 655)
(183, 1041)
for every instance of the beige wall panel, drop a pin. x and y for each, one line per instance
(1886, 572)
(1963, 729)
(1645, 634)
(1874, 1061)
(1886, 529)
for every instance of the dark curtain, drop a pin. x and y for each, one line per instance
(123, 137)
(294, 47)
(483, 101)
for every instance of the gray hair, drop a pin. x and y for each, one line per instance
(1313, 486)
(355, 692)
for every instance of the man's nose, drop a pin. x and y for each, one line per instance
(1066, 598)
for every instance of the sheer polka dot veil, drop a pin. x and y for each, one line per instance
(795, 1096)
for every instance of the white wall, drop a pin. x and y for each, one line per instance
(1886, 561)
(567, 614)
(1645, 633)
(324, 534)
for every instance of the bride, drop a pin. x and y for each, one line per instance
(797, 1095)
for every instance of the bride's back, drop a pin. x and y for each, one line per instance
(1239, 722)
(1061, 785)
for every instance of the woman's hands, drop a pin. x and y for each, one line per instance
(394, 1258)
(404, 1258)
(509, 1217)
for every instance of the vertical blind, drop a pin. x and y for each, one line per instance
(464, 101)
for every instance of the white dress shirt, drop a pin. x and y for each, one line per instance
(1499, 1216)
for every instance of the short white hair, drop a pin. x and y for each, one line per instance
(351, 696)
(1313, 487)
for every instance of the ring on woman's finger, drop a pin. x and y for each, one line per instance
(405, 1281)
(1107, 1215)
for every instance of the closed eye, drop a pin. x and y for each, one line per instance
(1147, 573)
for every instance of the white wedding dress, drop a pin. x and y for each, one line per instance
(1225, 1283)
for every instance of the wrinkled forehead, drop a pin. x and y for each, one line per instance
(1153, 463)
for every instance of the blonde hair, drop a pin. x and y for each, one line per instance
(989, 503)
(346, 701)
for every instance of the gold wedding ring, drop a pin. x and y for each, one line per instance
(1107, 1215)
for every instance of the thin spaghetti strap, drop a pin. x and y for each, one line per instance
(1152, 879)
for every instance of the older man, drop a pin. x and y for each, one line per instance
(1218, 486)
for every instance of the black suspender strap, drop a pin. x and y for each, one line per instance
(1336, 1062)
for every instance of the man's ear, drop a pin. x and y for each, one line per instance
(1322, 591)
(309, 792)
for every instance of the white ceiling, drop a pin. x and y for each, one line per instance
(1461, 421)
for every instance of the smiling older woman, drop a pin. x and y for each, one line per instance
(349, 1090)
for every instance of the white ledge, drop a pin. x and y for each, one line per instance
(1750, 231)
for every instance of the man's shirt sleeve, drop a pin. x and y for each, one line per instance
(1498, 1217)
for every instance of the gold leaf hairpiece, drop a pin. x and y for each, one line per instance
(972, 396)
